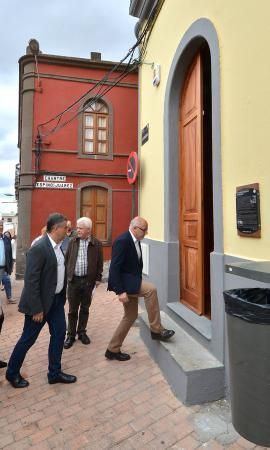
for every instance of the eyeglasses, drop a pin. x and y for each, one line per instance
(144, 230)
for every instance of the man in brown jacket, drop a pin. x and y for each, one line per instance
(84, 264)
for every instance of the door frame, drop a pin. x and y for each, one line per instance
(200, 32)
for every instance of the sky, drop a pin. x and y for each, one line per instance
(62, 27)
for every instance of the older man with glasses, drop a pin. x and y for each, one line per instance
(125, 279)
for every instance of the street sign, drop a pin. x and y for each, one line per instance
(132, 167)
(53, 185)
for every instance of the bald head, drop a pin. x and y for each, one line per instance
(138, 227)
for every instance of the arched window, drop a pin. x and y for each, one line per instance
(94, 204)
(96, 129)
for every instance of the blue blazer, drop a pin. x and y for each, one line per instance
(125, 274)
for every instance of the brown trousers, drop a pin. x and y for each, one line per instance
(149, 292)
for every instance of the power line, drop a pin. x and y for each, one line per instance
(100, 86)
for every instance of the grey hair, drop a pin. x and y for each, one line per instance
(86, 221)
(135, 221)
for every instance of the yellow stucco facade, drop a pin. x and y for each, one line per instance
(243, 32)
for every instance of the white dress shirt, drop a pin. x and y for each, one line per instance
(137, 245)
(60, 265)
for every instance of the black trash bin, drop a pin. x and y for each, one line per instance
(248, 326)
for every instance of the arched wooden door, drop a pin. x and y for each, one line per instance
(191, 190)
(94, 204)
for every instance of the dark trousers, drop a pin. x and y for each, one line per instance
(57, 326)
(2, 318)
(79, 296)
(6, 282)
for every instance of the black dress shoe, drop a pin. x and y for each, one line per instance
(84, 338)
(3, 364)
(63, 378)
(119, 355)
(69, 342)
(18, 381)
(164, 335)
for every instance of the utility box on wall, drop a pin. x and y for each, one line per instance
(248, 210)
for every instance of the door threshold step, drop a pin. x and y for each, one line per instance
(193, 373)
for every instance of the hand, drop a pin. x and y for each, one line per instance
(38, 317)
(123, 298)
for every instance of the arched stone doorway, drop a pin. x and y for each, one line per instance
(201, 34)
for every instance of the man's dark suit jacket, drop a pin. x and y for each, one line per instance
(125, 273)
(40, 278)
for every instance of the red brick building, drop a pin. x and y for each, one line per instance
(78, 167)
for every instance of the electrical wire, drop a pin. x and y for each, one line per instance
(101, 82)
(94, 99)
(101, 87)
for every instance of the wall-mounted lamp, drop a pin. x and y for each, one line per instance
(156, 74)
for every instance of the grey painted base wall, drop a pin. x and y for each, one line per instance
(164, 272)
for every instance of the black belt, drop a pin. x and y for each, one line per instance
(80, 276)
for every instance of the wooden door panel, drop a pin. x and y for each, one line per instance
(191, 230)
(191, 94)
(101, 214)
(190, 190)
(94, 205)
(190, 279)
(190, 202)
(101, 196)
(101, 231)
(87, 196)
(85, 211)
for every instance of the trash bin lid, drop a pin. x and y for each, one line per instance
(250, 304)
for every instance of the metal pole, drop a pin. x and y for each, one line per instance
(133, 201)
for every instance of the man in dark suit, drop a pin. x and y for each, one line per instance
(42, 300)
(6, 265)
(125, 279)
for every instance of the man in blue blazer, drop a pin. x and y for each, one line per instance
(42, 300)
(125, 279)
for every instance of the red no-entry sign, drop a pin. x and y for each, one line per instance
(132, 167)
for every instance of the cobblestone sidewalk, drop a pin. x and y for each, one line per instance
(113, 405)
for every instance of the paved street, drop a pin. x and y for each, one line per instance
(126, 405)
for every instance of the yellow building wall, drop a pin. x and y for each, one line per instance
(244, 38)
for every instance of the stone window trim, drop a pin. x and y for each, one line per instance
(109, 154)
(89, 184)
